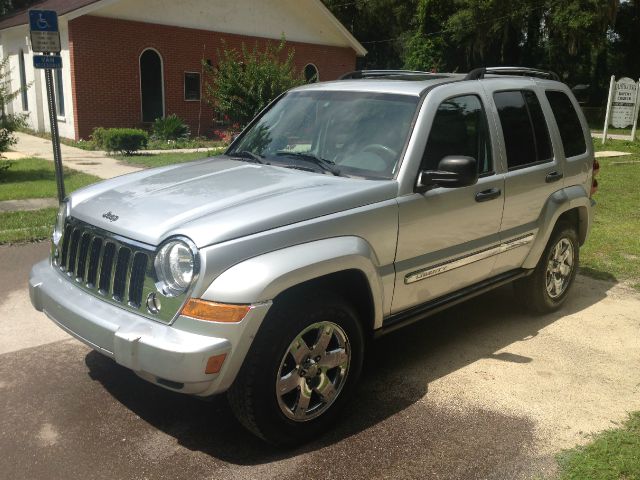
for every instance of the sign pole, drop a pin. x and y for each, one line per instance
(55, 135)
(45, 38)
(612, 88)
(635, 112)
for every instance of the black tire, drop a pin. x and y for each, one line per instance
(532, 290)
(253, 396)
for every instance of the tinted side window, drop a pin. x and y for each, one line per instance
(540, 130)
(568, 123)
(526, 136)
(459, 128)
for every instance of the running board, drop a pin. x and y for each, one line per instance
(419, 312)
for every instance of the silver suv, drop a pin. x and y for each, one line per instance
(345, 210)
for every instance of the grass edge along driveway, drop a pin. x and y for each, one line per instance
(612, 455)
(33, 178)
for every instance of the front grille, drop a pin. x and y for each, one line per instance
(107, 265)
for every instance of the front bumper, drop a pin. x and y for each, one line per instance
(172, 356)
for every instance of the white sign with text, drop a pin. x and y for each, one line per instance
(622, 105)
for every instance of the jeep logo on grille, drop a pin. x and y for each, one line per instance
(110, 216)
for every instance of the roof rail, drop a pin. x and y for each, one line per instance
(391, 74)
(478, 73)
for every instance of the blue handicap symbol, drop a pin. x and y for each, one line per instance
(43, 20)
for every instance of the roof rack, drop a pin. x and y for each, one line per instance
(391, 74)
(479, 73)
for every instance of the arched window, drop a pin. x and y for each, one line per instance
(311, 73)
(151, 85)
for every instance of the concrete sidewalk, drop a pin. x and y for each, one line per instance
(28, 204)
(93, 163)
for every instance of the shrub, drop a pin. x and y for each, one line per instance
(169, 128)
(125, 140)
(4, 166)
(244, 82)
(97, 136)
(9, 122)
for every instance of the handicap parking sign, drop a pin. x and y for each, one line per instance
(45, 36)
(43, 20)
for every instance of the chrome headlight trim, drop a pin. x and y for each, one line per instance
(166, 284)
(61, 218)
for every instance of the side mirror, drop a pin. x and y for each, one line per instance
(453, 171)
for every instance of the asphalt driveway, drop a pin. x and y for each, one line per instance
(481, 391)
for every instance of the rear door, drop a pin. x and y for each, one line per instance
(534, 172)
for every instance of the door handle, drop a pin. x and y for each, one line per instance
(553, 177)
(486, 195)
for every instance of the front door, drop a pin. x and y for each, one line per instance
(445, 235)
(151, 86)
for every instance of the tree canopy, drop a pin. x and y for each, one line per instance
(9, 6)
(584, 41)
(245, 81)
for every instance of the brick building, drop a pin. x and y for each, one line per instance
(127, 62)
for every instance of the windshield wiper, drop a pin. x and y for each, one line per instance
(323, 163)
(247, 155)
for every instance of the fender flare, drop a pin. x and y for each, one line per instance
(558, 203)
(262, 278)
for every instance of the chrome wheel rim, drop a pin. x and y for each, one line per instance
(313, 371)
(559, 268)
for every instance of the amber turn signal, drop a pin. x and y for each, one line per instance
(214, 364)
(214, 312)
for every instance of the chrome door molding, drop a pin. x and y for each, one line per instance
(476, 256)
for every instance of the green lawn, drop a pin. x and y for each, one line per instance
(617, 145)
(17, 227)
(161, 159)
(36, 178)
(33, 178)
(612, 250)
(612, 455)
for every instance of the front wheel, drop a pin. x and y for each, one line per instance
(546, 289)
(300, 370)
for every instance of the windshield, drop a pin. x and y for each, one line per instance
(343, 133)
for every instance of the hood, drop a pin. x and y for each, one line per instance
(229, 198)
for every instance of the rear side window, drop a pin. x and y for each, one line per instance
(568, 123)
(459, 128)
(526, 136)
(543, 143)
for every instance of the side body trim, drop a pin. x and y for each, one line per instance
(458, 262)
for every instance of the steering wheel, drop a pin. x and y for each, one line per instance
(388, 154)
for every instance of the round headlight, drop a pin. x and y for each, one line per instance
(175, 266)
(60, 219)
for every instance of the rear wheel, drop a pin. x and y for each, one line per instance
(301, 369)
(546, 289)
